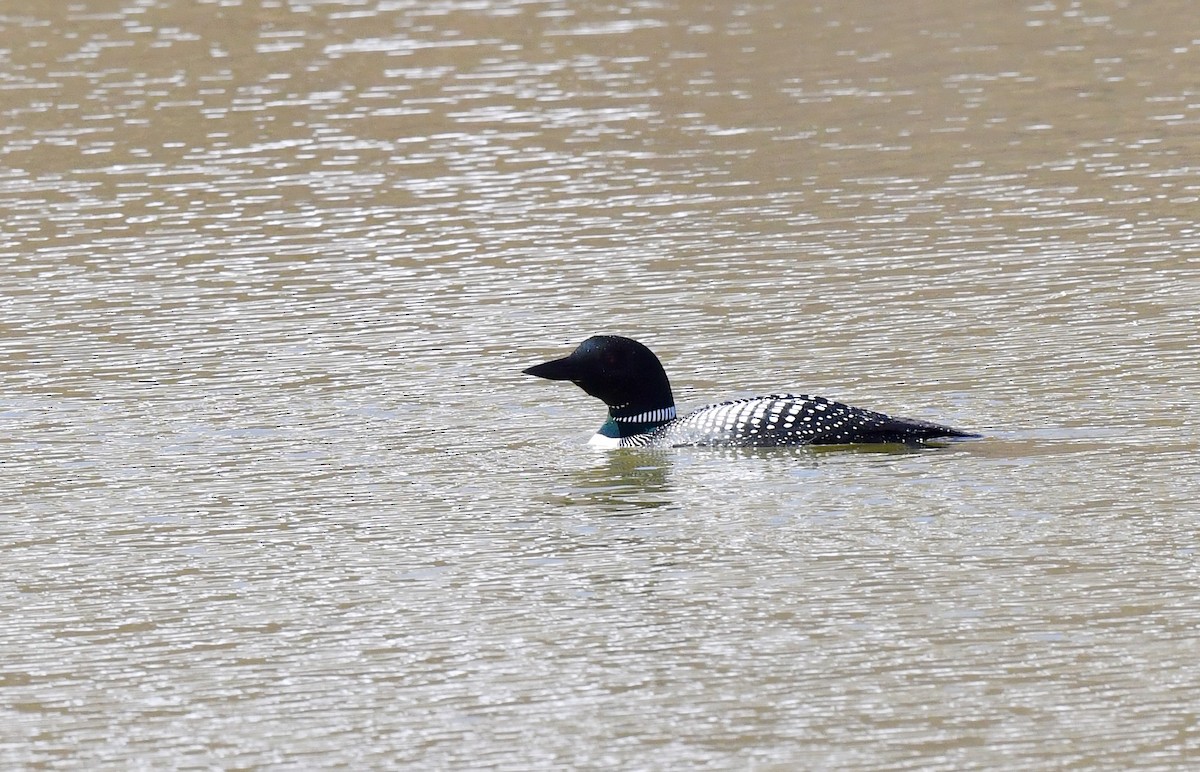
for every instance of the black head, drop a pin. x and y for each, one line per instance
(621, 372)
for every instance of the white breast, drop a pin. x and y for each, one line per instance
(605, 443)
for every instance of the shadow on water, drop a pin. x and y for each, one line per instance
(626, 483)
(622, 483)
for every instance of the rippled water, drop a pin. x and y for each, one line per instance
(278, 495)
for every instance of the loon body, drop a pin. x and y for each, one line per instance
(630, 380)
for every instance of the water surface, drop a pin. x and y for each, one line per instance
(279, 497)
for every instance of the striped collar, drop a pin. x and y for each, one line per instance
(649, 417)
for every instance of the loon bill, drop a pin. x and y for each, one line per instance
(630, 380)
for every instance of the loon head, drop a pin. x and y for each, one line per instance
(621, 372)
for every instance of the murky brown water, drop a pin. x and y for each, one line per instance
(277, 496)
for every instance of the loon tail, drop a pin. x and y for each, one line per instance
(908, 430)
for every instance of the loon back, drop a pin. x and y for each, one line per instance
(629, 378)
(787, 419)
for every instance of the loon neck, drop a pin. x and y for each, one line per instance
(623, 422)
(622, 414)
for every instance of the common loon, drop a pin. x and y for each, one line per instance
(628, 378)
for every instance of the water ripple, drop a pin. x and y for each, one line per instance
(280, 496)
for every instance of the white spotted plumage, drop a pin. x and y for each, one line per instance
(776, 419)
